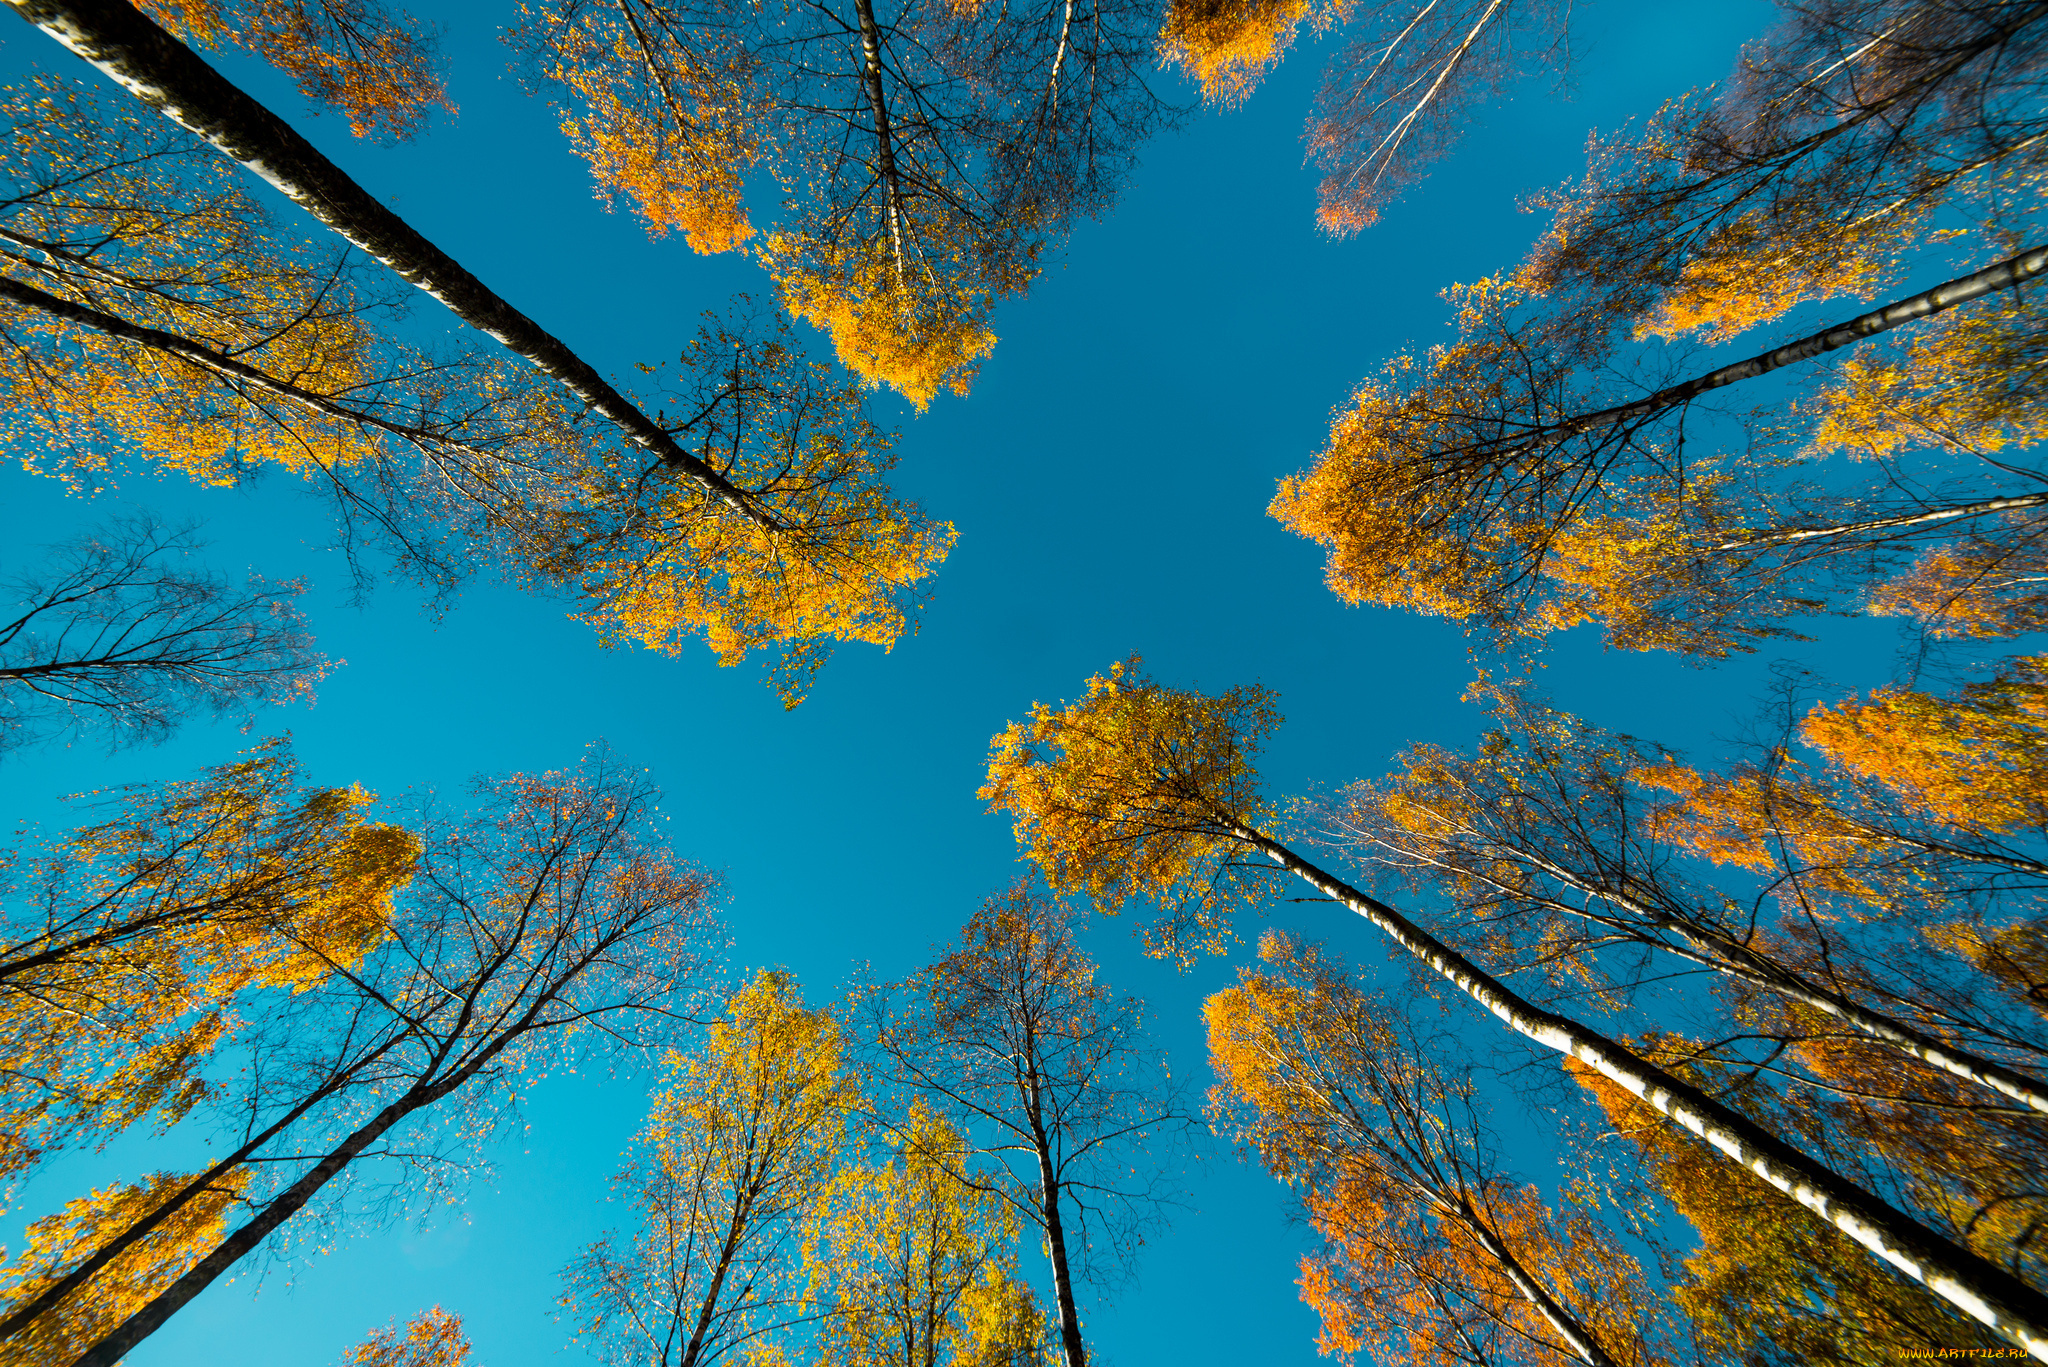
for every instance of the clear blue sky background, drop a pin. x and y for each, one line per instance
(1108, 477)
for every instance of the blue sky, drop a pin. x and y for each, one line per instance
(1108, 477)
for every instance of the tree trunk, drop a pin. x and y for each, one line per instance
(885, 144)
(116, 1345)
(1984, 1292)
(198, 354)
(166, 75)
(1071, 1347)
(2004, 275)
(1725, 954)
(1582, 1343)
(21, 1317)
(1789, 535)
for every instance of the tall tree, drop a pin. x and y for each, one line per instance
(127, 944)
(1012, 1033)
(927, 153)
(1844, 132)
(1427, 1243)
(920, 1266)
(1511, 480)
(790, 542)
(1142, 790)
(738, 1157)
(551, 928)
(116, 634)
(1552, 851)
(1393, 100)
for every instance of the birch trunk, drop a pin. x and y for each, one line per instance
(1071, 1347)
(1926, 304)
(1786, 536)
(1726, 955)
(166, 75)
(195, 353)
(1582, 1343)
(1979, 1289)
(109, 1351)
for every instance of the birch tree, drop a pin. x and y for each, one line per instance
(1553, 851)
(1142, 790)
(1426, 1243)
(927, 155)
(1841, 135)
(736, 1163)
(782, 540)
(548, 929)
(1510, 482)
(1393, 99)
(128, 943)
(117, 634)
(1012, 1032)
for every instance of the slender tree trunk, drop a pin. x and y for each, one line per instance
(1985, 1292)
(1785, 536)
(109, 1351)
(1074, 1351)
(1576, 1336)
(1926, 304)
(729, 1249)
(1724, 954)
(195, 353)
(166, 75)
(885, 142)
(21, 1317)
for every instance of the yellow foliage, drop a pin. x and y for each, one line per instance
(671, 128)
(1136, 791)
(432, 1338)
(1969, 381)
(1229, 45)
(920, 1265)
(1725, 288)
(682, 564)
(1978, 761)
(378, 68)
(193, 894)
(916, 326)
(60, 1242)
(177, 244)
(1418, 1235)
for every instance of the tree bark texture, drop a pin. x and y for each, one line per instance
(169, 77)
(1981, 1290)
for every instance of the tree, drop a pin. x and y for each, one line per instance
(1141, 790)
(432, 1338)
(1552, 856)
(792, 542)
(1011, 1032)
(1767, 1282)
(738, 1157)
(919, 1265)
(127, 945)
(928, 154)
(1503, 483)
(1396, 97)
(549, 929)
(380, 68)
(115, 635)
(1842, 135)
(1426, 1241)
